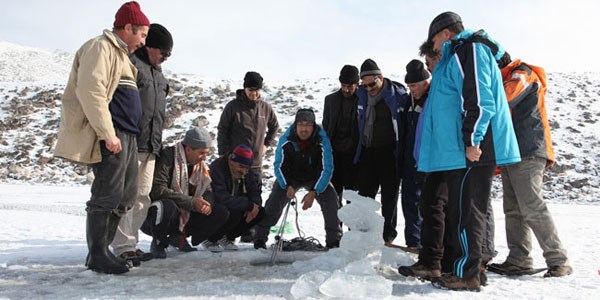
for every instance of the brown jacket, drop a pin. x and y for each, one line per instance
(85, 118)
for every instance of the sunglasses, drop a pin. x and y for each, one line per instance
(372, 83)
(165, 53)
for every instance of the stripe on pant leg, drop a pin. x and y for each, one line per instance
(459, 264)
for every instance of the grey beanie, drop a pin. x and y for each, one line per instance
(305, 114)
(197, 138)
(368, 68)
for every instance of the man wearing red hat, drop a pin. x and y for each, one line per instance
(234, 186)
(100, 113)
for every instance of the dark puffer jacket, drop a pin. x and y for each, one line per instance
(153, 87)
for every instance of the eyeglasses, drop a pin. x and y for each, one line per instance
(165, 53)
(372, 83)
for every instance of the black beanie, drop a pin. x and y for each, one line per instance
(349, 74)
(415, 72)
(253, 80)
(159, 37)
(368, 68)
(441, 22)
(305, 114)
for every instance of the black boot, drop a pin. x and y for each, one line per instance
(98, 231)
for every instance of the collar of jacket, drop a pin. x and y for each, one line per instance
(112, 37)
(142, 54)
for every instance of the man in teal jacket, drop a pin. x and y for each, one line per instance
(466, 132)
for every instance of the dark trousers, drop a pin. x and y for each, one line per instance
(344, 173)
(278, 200)
(115, 177)
(412, 187)
(164, 218)
(468, 201)
(377, 168)
(433, 210)
(236, 225)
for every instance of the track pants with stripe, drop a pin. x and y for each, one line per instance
(468, 199)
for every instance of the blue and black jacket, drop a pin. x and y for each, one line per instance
(311, 168)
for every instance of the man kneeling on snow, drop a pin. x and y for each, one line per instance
(303, 159)
(233, 186)
(181, 196)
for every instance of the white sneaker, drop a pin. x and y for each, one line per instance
(212, 246)
(227, 245)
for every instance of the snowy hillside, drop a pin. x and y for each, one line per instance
(27, 64)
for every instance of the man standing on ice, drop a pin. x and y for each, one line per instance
(100, 113)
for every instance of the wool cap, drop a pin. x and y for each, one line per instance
(349, 74)
(130, 13)
(415, 72)
(242, 154)
(305, 114)
(159, 37)
(441, 22)
(368, 68)
(253, 80)
(197, 138)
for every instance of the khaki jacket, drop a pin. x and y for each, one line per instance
(85, 118)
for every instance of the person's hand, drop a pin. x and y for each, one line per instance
(202, 206)
(113, 144)
(291, 192)
(308, 200)
(251, 214)
(473, 153)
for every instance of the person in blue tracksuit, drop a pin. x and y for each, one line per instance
(380, 105)
(466, 132)
(303, 159)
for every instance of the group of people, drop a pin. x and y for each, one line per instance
(437, 148)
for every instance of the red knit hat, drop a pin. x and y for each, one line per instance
(130, 13)
(242, 154)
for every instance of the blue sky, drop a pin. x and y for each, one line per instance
(311, 38)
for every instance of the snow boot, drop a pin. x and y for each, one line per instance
(101, 260)
(157, 248)
(180, 242)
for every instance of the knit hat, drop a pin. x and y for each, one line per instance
(130, 13)
(349, 74)
(415, 72)
(197, 138)
(305, 114)
(159, 37)
(253, 80)
(368, 68)
(441, 22)
(242, 154)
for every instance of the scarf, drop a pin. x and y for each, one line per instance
(182, 181)
(370, 115)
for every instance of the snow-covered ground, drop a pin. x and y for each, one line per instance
(43, 247)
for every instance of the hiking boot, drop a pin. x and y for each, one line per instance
(131, 258)
(420, 270)
(260, 244)
(158, 249)
(227, 244)
(144, 256)
(212, 246)
(180, 242)
(558, 271)
(455, 283)
(483, 280)
(507, 267)
(332, 245)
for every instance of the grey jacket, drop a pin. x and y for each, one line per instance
(249, 122)
(153, 87)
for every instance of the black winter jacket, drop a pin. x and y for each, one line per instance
(153, 88)
(244, 198)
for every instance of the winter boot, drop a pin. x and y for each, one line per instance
(157, 248)
(180, 242)
(101, 260)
